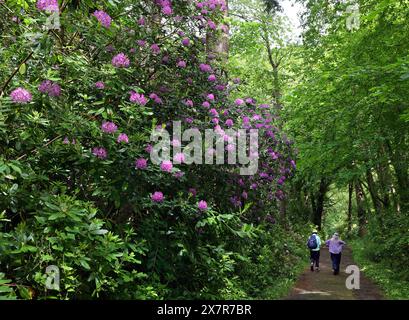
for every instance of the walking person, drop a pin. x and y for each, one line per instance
(335, 245)
(314, 243)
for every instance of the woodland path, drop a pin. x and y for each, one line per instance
(323, 285)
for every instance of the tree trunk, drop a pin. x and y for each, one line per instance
(360, 205)
(401, 171)
(218, 46)
(373, 191)
(318, 203)
(350, 190)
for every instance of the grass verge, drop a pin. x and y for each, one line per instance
(380, 273)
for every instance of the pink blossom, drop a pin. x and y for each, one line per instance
(210, 97)
(189, 103)
(120, 61)
(101, 153)
(141, 21)
(138, 98)
(149, 148)
(141, 163)
(157, 196)
(176, 143)
(167, 10)
(155, 48)
(214, 112)
(21, 96)
(205, 68)
(211, 25)
(103, 18)
(181, 64)
(206, 104)
(141, 43)
(239, 102)
(48, 5)
(155, 98)
(229, 122)
(166, 166)
(50, 87)
(202, 205)
(109, 127)
(212, 78)
(186, 42)
(100, 85)
(179, 158)
(123, 138)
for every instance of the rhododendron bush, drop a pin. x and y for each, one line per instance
(83, 84)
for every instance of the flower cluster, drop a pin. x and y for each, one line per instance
(120, 61)
(100, 152)
(166, 6)
(49, 87)
(109, 127)
(48, 5)
(103, 18)
(138, 98)
(21, 96)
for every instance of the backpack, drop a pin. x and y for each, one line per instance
(312, 242)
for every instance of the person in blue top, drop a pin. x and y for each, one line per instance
(314, 244)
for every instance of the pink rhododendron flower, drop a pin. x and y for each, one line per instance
(186, 42)
(141, 21)
(239, 102)
(167, 10)
(210, 97)
(123, 138)
(205, 68)
(47, 5)
(138, 98)
(141, 163)
(230, 148)
(179, 158)
(211, 25)
(149, 148)
(103, 18)
(120, 61)
(101, 153)
(100, 85)
(202, 205)
(50, 87)
(157, 196)
(21, 96)
(141, 43)
(229, 122)
(214, 112)
(155, 98)
(178, 174)
(175, 143)
(109, 127)
(166, 166)
(189, 103)
(212, 78)
(206, 104)
(155, 48)
(181, 64)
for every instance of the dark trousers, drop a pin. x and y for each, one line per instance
(315, 258)
(336, 261)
